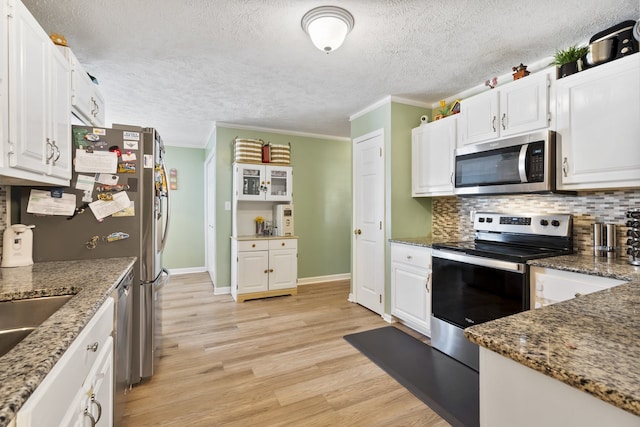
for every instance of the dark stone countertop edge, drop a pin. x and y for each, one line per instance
(91, 282)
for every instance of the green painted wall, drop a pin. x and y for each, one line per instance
(405, 216)
(410, 217)
(321, 197)
(186, 238)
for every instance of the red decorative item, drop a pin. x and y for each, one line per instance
(266, 153)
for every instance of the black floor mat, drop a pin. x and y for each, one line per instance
(444, 384)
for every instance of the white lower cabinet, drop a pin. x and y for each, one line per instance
(78, 390)
(512, 394)
(549, 286)
(411, 286)
(263, 267)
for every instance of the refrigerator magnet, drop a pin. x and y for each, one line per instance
(132, 136)
(128, 157)
(106, 179)
(130, 145)
(127, 167)
(148, 161)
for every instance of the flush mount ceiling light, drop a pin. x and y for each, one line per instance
(327, 26)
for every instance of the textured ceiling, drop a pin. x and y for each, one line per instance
(181, 66)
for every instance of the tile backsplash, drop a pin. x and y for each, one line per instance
(452, 215)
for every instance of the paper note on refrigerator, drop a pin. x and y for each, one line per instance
(96, 162)
(41, 203)
(104, 208)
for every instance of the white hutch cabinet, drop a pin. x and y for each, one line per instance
(263, 182)
(261, 265)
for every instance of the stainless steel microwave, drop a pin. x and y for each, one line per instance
(522, 164)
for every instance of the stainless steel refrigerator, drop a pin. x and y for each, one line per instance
(140, 229)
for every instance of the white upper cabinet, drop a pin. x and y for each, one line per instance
(38, 143)
(432, 150)
(517, 107)
(86, 100)
(598, 126)
(263, 182)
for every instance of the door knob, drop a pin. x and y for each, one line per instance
(357, 231)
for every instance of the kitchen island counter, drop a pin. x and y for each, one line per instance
(91, 282)
(590, 343)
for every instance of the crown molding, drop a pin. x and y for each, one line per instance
(281, 131)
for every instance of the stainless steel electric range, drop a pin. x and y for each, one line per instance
(488, 278)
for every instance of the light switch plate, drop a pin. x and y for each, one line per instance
(227, 206)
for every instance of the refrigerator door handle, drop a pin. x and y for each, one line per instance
(166, 224)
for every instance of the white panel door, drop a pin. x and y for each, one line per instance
(253, 271)
(368, 222)
(29, 53)
(480, 117)
(283, 269)
(524, 106)
(60, 163)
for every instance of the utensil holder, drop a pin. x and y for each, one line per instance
(604, 240)
(633, 236)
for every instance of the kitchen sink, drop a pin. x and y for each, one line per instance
(18, 318)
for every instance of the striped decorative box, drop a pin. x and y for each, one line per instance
(248, 150)
(281, 154)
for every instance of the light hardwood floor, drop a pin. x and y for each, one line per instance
(274, 362)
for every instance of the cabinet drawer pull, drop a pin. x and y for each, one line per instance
(504, 116)
(95, 402)
(493, 123)
(266, 271)
(409, 257)
(93, 347)
(91, 419)
(282, 243)
(253, 245)
(271, 270)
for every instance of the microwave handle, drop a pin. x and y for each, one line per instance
(522, 163)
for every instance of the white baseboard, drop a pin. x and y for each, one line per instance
(190, 270)
(388, 318)
(321, 279)
(222, 290)
(351, 298)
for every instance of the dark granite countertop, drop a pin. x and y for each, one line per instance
(91, 281)
(425, 241)
(591, 343)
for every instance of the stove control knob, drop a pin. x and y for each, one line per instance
(480, 219)
(544, 222)
(555, 223)
(489, 220)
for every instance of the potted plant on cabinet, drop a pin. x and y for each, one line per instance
(566, 60)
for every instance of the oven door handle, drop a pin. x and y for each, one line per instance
(480, 261)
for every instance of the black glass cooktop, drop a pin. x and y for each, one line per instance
(506, 252)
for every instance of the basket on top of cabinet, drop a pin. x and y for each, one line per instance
(280, 154)
(247, 150)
